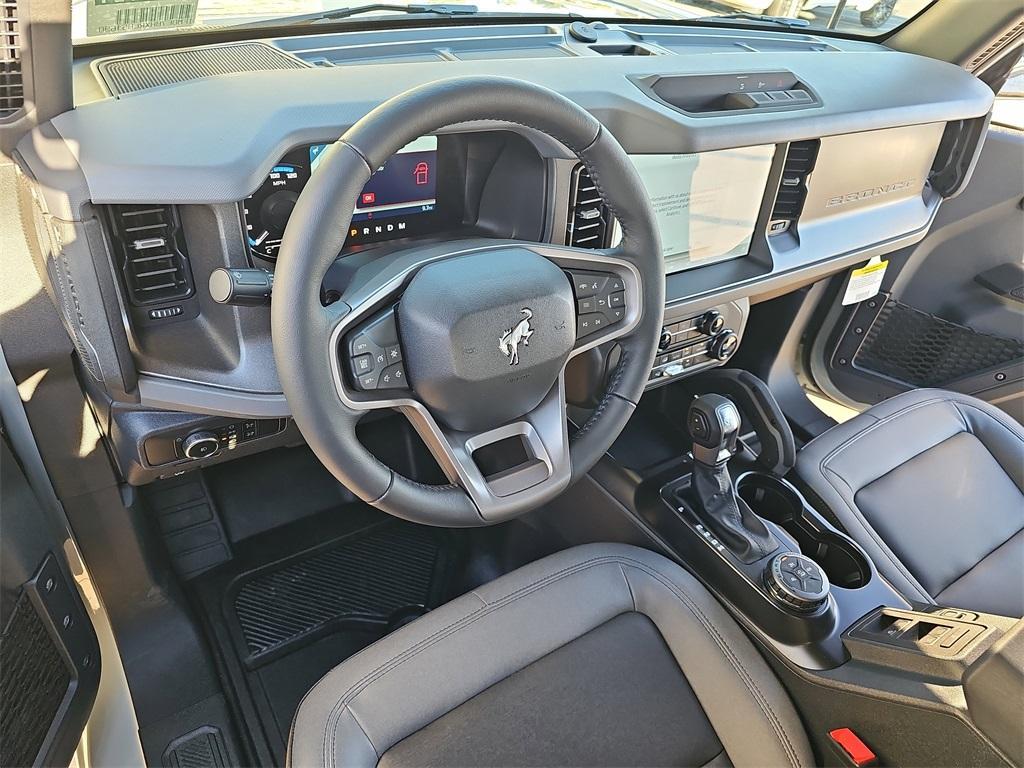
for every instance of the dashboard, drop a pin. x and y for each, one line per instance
(768, 163)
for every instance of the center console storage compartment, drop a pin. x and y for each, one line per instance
(774, 499)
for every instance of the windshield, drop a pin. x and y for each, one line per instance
(94, 20)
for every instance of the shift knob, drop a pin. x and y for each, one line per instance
(714, 424)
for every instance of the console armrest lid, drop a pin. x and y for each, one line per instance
(994, 686)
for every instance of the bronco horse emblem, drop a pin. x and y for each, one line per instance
(520, 332)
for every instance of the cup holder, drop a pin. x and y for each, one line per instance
(779, 502)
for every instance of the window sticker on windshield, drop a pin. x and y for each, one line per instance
(114, 17)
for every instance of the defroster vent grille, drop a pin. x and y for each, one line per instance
(126, 74)
(153, 262)
(589, 222)
(12, 88)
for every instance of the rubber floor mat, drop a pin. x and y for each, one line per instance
(368, 577)
(297, 601)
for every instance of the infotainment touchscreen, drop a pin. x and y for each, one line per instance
(706, 204)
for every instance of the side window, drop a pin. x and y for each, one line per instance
(1009, 106)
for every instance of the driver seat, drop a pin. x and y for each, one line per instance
(603, 654)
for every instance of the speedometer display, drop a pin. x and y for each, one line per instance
(399, 200)
(267, 210)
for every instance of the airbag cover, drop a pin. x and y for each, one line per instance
(485, 335)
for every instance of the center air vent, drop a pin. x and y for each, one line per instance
(12, 93)
(147, 240)
(589, 222)
(789, 202)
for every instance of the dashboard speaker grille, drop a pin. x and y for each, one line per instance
(152, 259)
(12, 88)
(789, 202)
(127, 74)
(589, 222)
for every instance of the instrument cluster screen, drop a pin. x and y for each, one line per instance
(399, 200)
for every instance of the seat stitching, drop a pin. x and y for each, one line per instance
(982, 559)
(429, 641)
(343, 702)
(727, 652)
(870, 531)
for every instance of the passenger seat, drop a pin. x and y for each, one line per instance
(931, 484)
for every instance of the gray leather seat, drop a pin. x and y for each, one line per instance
(931, 484)
(599, 655)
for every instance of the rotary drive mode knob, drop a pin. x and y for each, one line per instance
(796, 582)
(200, 445)
(723, 345)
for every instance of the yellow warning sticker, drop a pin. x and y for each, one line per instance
(865, 282)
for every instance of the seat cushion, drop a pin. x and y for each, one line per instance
(598, 655)
(931, 484)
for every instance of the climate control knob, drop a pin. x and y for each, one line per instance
(723, 345)
(711, 322)
(200, 445)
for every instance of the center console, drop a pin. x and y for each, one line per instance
(918, 684)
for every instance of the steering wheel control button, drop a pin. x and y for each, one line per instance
(362, 364)
(586, 284)
(372, 347)
(600, 301)
(392, 377)
(796, 582)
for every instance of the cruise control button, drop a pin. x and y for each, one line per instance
(380, 358)
(394, 353)
(362, 345)
(367, 381)
(392, 377)
(362, 364)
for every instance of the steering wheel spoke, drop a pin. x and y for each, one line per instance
(503, 468)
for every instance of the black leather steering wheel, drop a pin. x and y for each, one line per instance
(486, 327)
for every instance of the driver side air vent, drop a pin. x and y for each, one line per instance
(589, 222)
(12, 89)
(789, 202)
(148, 245)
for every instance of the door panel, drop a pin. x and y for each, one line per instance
(49, 655)
(951, 311)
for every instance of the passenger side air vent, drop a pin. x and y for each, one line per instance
(789, 202)
(147, 240)
(12, 89)
(589, 222)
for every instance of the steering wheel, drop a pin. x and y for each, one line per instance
(482, 329)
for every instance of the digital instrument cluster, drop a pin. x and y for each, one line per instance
(399, 200)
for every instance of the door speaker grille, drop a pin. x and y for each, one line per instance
(33, 682)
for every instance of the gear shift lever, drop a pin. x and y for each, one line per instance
(714, 424)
